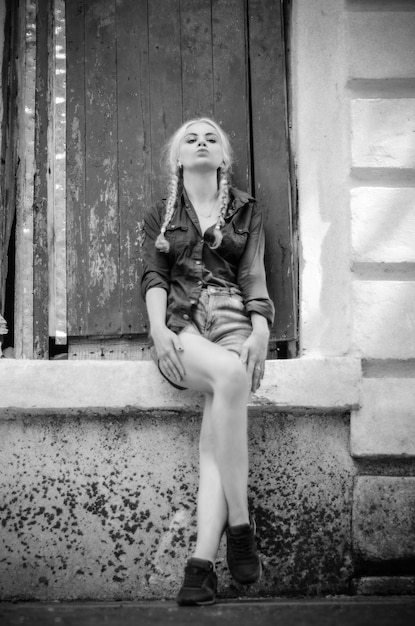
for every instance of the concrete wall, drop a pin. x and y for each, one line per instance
(103, 506)
(100, 502)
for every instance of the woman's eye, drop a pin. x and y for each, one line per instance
(212, 140)
(191, 140)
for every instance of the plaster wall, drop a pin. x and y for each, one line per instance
(381, 81)
(321, 146)
(354, 122)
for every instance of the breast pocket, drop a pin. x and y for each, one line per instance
(239, 234)
(177, 236)
(234, 240)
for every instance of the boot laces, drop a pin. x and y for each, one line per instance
(242, 545)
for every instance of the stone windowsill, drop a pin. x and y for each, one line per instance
(312, 383)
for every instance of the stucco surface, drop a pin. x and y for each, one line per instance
(382, 132)
(384, 318)
(103, 507)
(381, 44)
(383, 225)
(385, 424)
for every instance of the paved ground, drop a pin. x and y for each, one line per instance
(358, 611)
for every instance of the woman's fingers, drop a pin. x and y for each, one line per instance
(256, 378)
(168, 347)
(172, 364)
(257, 374)
(244, 355)
(170, 369)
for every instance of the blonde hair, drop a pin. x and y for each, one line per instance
(175, 179)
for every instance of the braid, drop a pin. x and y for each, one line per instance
(173, 185)
(224, 185)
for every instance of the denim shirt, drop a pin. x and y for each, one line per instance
(191, 264)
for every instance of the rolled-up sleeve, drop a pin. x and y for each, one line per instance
(251, 272)
(156, 270)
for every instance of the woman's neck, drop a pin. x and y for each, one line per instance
(201, 188)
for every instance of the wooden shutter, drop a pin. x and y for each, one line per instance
(135, 70)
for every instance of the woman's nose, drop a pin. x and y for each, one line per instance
(201, 142)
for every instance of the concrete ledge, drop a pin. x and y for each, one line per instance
(384, 586)
(332, 383)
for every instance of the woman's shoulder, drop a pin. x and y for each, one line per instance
(240, 197)
(156, 208)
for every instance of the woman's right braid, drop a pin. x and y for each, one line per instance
(173, 185)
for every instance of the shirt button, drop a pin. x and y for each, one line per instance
(198, 262)
(185, 316)
(199, 282)
(192, 301)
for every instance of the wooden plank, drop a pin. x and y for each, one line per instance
(101, 245)
(77, 223)
(25, 181)
(126, 348)
(196, 57)
(271, 156)
(134, 154)
(57, 191)
(40, 203)
(231, 108)
(165, 83)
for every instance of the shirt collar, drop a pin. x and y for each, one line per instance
(238, 199)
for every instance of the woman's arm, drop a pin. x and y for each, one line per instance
(156, 268)
(251, 270)
(166, 343)
(252, 280)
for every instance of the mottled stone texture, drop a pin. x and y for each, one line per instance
(103, 506)
(384, 519)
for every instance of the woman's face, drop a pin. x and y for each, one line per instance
(201, 148)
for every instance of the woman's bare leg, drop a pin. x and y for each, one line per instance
(212, 509)
(214, 370)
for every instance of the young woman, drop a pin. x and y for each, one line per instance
(205, 290)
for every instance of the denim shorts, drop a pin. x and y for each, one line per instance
(221, 317)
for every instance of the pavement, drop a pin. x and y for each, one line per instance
(333, 611)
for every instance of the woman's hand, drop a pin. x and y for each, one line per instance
(255, 349)
(167, 345)
(254, 354)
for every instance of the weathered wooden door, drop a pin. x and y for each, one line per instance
(135, 70)
(8, 158)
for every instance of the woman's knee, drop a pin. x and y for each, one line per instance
(231, 376)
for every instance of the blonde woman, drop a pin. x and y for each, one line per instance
(205, 290)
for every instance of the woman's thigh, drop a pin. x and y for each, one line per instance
(207, 364)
